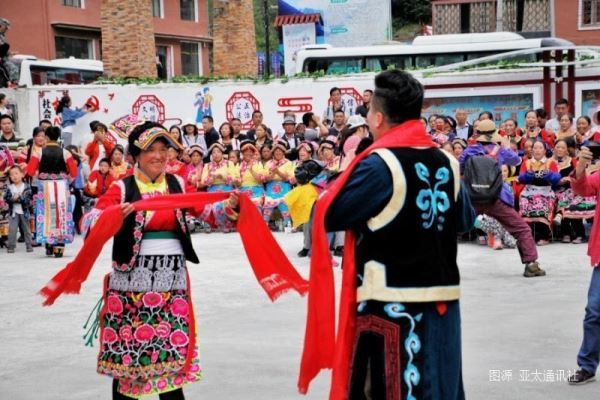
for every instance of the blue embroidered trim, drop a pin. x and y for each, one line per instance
(433, 202)
(412, 345)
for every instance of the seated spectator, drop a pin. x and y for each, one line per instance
(539, 175)
(99, 180)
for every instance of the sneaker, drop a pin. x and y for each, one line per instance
(10, 250)
(577, 240)
(482, 240)
(581, 377)
(533, 269)
(303, 253)
(339, 251)
(557, 219)
(566, 239)
(30, 250)
(542, 242)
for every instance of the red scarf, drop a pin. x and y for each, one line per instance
(321, 347)
(271, 267)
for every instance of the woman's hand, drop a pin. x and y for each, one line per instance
(234, 200)
(126, 209)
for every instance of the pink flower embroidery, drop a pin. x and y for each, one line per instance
(276, 189)
(178, 380)
(194, 368)
(161, 384)
(125, 333)
(154, 357)
(137, 234)
(163, 329)
(124, 386)
(147, 387)
(126, 361)
(136, 248)
(109, 336)
(114, 304)
(179, 307)
(178, 338)
(144, 333)
(152, 300)
(139, 218)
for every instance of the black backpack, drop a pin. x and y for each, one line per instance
(483, 179)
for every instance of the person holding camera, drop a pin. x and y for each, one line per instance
(588, 358)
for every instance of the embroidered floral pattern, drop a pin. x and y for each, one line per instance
(138, 233)
(432, 201)
(145, 341)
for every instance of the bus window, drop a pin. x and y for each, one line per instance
(333, 65)
(344, 65)
(43, 75)
(451, 58)
(379, 63)
(424, 61)
(90, 76)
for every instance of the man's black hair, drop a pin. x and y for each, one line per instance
(561, 101)
(53, 133)
(334, 89)
(398, 95)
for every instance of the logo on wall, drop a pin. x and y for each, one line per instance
(241, 105)
(295, 104)
(149, 107)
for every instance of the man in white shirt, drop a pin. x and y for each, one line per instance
(463, 129)
(561, 107)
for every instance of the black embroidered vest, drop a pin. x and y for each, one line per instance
(124, 241)
(53, 160)
(408, 251)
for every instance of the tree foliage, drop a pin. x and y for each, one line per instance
(411, 11)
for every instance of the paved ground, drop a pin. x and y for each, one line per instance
(523, 331)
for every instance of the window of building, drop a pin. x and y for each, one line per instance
(188, 10)
(158, 9)
(589, 13)
(73, 47)
(189, 59)
(72, 3)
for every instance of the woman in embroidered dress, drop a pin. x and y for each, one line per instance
(279, 181)
(252, 174)
(55, 168)
(195, 167)
(585, 132)
(147, 326)
(174, 166)
(533, 131)
(537, 200)
(572, 209)
(119, 168)
(6, 161)
(218, 176)
(566, 129)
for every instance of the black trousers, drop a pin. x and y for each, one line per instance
(173, 395)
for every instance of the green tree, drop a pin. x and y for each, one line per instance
(411, 12)
(259, 23)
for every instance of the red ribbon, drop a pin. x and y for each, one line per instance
(271, 267)
(321, 348)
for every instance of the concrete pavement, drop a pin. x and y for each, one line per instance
(520, 336)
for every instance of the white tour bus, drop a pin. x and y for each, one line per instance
(423, 52)
(70, 71)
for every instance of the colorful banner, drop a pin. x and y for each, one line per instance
(294, 37)
(502, 106)
(347, 22)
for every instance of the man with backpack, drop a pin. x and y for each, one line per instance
(480, 164)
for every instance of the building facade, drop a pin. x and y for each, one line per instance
(50, 29)
(574, 20)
